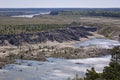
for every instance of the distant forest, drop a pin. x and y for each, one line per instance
(15, 28)
(107, 12)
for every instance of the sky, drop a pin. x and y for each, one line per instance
(59, 3)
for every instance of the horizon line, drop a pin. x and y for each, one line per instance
(58, 7)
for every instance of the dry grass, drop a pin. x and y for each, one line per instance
(59, 19)
(110, 26)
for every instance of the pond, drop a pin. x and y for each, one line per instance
(53, 69)
(58, 69)
(101, 42)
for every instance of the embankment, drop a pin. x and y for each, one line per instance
(59, 35)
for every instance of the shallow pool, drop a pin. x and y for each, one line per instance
(53, 69)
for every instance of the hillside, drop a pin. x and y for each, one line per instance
(59, 35)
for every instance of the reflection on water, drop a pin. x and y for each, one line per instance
(53, 69)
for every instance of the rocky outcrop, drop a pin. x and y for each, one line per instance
(59, 35)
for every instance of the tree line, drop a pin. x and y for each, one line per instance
(28, 28)
(103, 13)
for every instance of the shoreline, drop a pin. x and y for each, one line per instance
(54, 66)
(32, 15)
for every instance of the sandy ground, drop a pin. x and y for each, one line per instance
(70, 43)
(5, 50)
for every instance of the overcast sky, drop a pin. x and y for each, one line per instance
(59, 3)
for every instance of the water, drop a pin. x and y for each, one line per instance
(31, 15)
(53, 69)
(103, 43)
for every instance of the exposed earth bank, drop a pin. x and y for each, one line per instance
(54, 43)
(59, 35)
